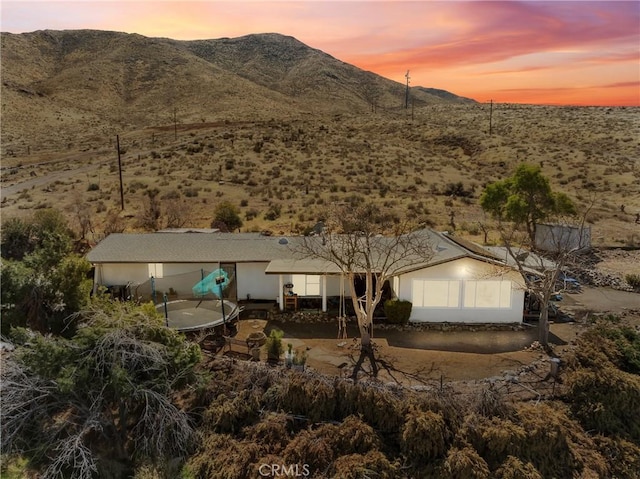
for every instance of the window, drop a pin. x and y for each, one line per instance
(155, 270)
(435, 293)
(306, 284)
(448, 293)
(487, 294)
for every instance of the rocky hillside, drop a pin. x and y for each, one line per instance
(62, 86)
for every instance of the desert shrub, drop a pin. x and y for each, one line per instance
(606, 400)
(622, 456)
(603, 386)
(354, 436)
(380, 408)
(313, 398)
(194, 148)
(424, 436)
(311, 448)
(190, 192)
(171, 195)
(93, 187)
(514, 468)
(273, 431)
(231, 415)
(494, 438)
(633, 280)
(222, 456)
(359, 466)
(491, 402)
(556, 445)
(608, 344)
(273, 213)
(227, 217)
(464, 463)
(397, 311)
(251, 214)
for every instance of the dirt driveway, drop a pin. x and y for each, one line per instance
(428, 357)
(415, 358)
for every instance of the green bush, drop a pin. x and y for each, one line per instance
(397, 311)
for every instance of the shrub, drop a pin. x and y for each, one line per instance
(358, 466)
(464, 463)
(494, 438)
(633, 280)
(424, 436)
(606, 400)
(227, 215)
(312, 448)
(273, 213)
(272, 431)
(231, 415)
(397, 311)
(514, 468)
(93, 187)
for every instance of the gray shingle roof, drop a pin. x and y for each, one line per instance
(188, 248)
(236, 247)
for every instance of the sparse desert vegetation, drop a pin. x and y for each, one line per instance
(281, 175)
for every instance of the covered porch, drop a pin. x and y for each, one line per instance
(307, 282)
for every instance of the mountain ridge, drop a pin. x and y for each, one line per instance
(97, 82)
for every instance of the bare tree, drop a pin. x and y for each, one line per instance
(82, 214)
(542, 261)
(178, 213)
(150, 217)
(364, 242)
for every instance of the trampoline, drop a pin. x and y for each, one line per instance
(196, 314)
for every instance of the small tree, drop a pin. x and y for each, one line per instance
(525, 199)
(42, 282)
(101, 401)
(227, 216)
(365, 242)
(519, 202)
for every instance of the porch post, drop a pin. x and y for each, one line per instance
(281, 292)
(324, 293)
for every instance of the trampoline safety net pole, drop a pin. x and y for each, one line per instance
(166, 312)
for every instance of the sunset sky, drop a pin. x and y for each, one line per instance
(544, 52)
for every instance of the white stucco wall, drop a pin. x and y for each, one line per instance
(252, 280)
(468, 272)
(121, 273)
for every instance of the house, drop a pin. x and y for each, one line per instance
(461, 282)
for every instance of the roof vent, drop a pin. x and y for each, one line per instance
(283, 241)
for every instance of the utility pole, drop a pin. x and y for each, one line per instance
(490, 117)
(175, 125)
(120, 172)
(406, 96)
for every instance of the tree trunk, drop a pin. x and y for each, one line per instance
(543, 323)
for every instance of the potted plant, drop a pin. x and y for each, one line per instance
(274, 345)
(288, 356)
(255, 353)
(299, 360)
